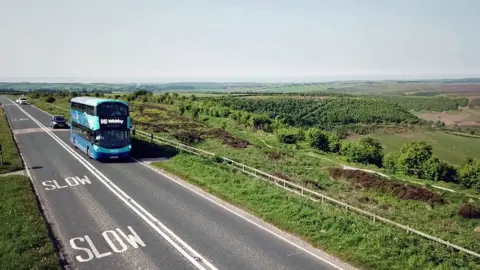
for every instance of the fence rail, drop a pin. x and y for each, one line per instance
(298, 189)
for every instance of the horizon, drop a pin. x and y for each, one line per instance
(330, 79)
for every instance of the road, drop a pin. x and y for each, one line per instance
(131, 216)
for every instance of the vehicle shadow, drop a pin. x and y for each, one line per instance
(143, 150)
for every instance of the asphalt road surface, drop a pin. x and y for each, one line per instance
(131, 216)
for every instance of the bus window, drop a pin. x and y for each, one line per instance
(112, 110)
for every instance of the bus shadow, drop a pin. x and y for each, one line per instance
(144, 150)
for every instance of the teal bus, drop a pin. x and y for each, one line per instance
(100, 127)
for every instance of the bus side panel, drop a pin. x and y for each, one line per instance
(82, 144)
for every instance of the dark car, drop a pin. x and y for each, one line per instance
(58, 121)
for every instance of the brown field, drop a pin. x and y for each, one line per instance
(462, 87)
(465, 116)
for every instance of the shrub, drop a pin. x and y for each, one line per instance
(467, 210)
(318, 139)
(50, 99)
(290, 135)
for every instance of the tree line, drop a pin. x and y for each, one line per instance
(421, 103)
(321, 113)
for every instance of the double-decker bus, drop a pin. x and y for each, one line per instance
(100, 127)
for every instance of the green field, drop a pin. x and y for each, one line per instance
(24, 239)
(449, 147)
(11, 157)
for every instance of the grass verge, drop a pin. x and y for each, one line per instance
(361, 242)
(11, 158)
(24, 239)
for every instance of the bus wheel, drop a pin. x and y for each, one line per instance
(74, 145)
(88, 153)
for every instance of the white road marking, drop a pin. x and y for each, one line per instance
(70, 182)
(213, 199)
(120, 246)
(159, 227)
(238, 214)
(33, 130)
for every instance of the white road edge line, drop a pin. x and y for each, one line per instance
(237, 214)
(229, 210)
(128, 200)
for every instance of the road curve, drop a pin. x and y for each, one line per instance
(130, 216)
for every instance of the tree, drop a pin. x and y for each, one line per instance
(290, 135)
(390, 162)
(260, 121)
(181, 110)
(435, 169)
(195, 112)
(367, 151)
(50, 99)
(469, 174)
(412, 157)
(317, 139)
(373, 150)
(334, 143)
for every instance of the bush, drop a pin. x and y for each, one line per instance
(290, 135)
(390, 162)
(318, 139)
(367, 151)
(469, 174)
(412, 157)
(50, 99)
(467, 210)
(434, 169)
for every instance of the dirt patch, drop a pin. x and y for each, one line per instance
(474, 103)
(188, 137)
(467, 210)
(227, 138)
(375, 182)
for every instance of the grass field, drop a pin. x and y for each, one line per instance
(449, 147)
(11, 157)
(24, 240)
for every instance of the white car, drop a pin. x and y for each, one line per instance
(22, 100)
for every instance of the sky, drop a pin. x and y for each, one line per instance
(245, 40)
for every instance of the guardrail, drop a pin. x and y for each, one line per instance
(295, 188)
(299, 190)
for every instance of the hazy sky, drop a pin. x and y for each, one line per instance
(118, 40)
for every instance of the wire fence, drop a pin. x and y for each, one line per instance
(297, 189)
